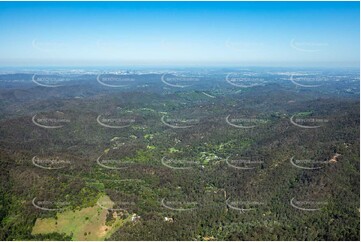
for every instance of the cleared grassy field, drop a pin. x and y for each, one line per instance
(85, 224)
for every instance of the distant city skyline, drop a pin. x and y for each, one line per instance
(180, 33)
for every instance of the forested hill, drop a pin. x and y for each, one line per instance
(182, 155)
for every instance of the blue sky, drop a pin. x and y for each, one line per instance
(180, 33)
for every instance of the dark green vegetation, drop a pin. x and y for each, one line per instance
(139, 165)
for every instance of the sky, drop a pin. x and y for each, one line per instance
(180, 33)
